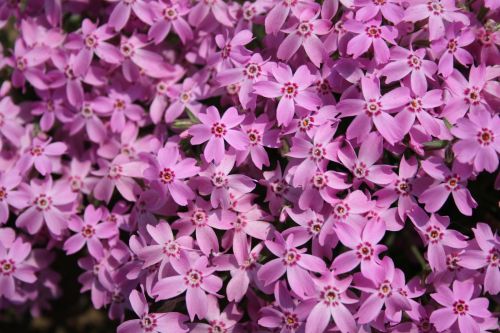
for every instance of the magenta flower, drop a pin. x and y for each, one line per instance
(281, 10)
(305, 33)
(451, 46)
(292, 88)
(122, 10)
(168, 16)
(168, 172)
(216, 130)
(151, 322)
(374, 109)
(294, 262)
(40, 154)
(369, 9)
(287, 315)
(14, 267)
(436, 235)
(232, 50)
(437, 11)
(458, 304)
(164, 248)
(90, 232)
(368, 34)
(479, 140)
(93, 41)
(219, 321)
(195, 277)
(315, 154)
(10, 127)
(364, 247)
(411, 62)
(218, 9)
(381, 288)
(183, 97)
(47, 202)
(448, 182)
(418, 108)
(9, 180)
(485, 254)
(331, 295)
(465, 95)
(26, 61)
(363, 166)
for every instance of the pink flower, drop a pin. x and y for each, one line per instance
(330, 296)
(195, 277)
(418, 108)
(436, 236)
(14, 267)
(368, 34)
(281, 10)
(232, 50)
(465, 95)
(220, 321)
(47, 202)
(40, 154)
(10, 126)
(305, 33)
(369, 9)
(485, 254)
(437, 11)
(452, 46)
(89, 232)
(168, 172)
(218, 8)
(120, 173)
(459, 304)
(168, 16)
(121, 13)
(479, 140)
(381, 287)
(363, 166)
(93, 40)
(374, 109)
(151, 322)
(216, 130)
(292, 88)
(9, 180)
(448, 182)
(406, 62)
(294, 262)
(164, 247)
(364, 247)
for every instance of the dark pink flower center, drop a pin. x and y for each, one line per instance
(170, 13)
(219, 179)
(365, 251)
(43, 202)
(373, 31)
(91, 41)
(88, 231)
(252, 70)
(290, 320)
(385, 289)
(254, 136)
(319, 180)
(171, 249)
(434, 234)
(167, 176)
(148, 322)
(7, 266)
(219, 129)
(485, 137)
(115, 171)
(290, 89)
(473, 95)
(330, 296)
(3, 193)
(373, 108)
(305, 29)
(341, 210)
(217, 326)
(193, 278)
(36, 150)
(403, 187)
(460, 307)
(199, 217)
(452, 182)
(291, 257)
(414, 62)
(435, 7)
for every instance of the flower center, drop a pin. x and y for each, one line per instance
(193, 278)
(434, 234)
(199, 217)
(88, 231)
(403, 187)
(385, 289)
(36, 150)
(305, 29)
(373, 108)
(373, 31)
(360, 170)
(452, 182)
(148, 322)
(330, 296)
(127, 50)
(472, 95)
(75, 183)
(219, 129)
(171, 249)
(341, 210)
(254, 136)
(414, 62)
(291, 320)
(87, 111)
(291, 257)
(21, 64)
(319, 180)
(279, 187)
(217, 326)
(435, 7)
(185, 96)
(460, 307)
(170, 13)
(115, 171)
(3, 193)
(485, 136)
(7, 266)
(219, 179)
(317, 152)
(119, 104)
(43, 202)
(226, 51)
(415, 105)
(249, 13)
(493, 258)
(90, 41)
(167, 176)
(306, 123)
(289, 3)
(252, 71)
(315, 226)
(289, 90)
(365, 251)
(452, 45)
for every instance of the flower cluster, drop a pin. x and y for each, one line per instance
(253, 166)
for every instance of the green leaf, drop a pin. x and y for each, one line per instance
(436, 144)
